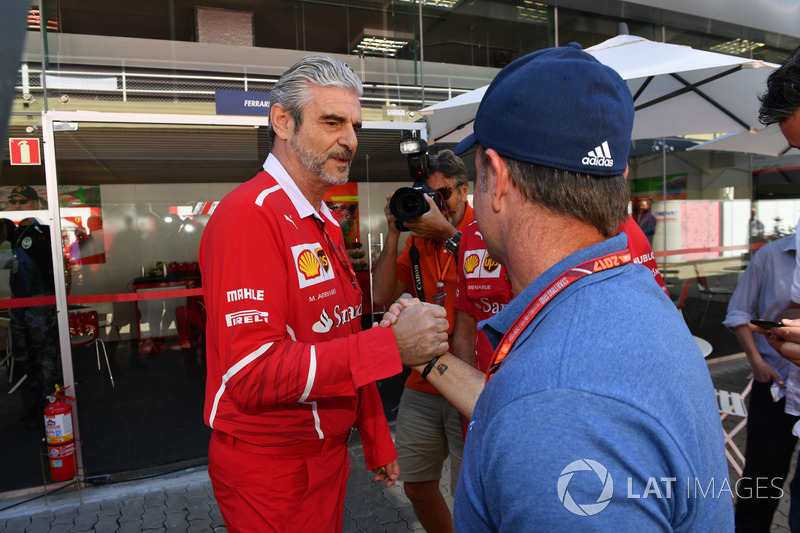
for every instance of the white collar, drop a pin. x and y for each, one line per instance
(300, 202)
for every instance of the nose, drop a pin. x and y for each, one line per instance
(349, 139)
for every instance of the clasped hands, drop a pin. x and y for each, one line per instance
(420, 330)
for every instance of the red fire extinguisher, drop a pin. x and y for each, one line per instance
(58, 433)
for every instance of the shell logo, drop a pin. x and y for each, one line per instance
(308, 264)
(489, 264)
(471, 263)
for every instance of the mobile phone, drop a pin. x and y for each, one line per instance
(767, 324)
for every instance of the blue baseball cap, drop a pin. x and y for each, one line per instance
(559, 108)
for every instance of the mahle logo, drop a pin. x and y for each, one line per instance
(585, 509)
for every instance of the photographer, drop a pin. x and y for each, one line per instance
(427, 425)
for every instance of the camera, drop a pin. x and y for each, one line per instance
(408, 203)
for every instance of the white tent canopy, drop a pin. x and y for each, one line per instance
(677, 90)
(768, 141)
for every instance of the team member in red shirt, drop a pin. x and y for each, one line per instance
(483, 290)
(428, 426)
(289, 370)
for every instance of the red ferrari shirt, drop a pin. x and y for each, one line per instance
(436, 265)
(286, 359)
(483, 288)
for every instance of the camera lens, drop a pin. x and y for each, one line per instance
(408, 204)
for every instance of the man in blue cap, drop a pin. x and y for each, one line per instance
(594, 415)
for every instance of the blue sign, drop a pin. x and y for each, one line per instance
(242, 103)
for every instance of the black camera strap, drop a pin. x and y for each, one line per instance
(416, 270)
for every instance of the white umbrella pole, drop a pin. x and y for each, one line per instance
(664, 198)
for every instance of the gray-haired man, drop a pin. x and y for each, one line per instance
(289, 370)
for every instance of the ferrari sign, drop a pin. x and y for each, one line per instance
(24, 151)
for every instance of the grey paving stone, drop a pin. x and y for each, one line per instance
(60, 528)
(110, 507)
(64, 516)
(106, 524)
(40, 523)
(198, 508)
(197, 491)
(384, 513)
(216, 515)
(134, 526)
(92, 507)
(372, 494)
(153, 517)
(401, 526)
(349, 525)
(369, 524)
(176, 501)
(85, 520)
(155, 499)
(18, 523)
(131, 512)
(176, 521)
(199, 525)
(358, 507)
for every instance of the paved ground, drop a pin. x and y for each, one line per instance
(184, 501)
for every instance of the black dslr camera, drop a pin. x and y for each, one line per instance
(408, 203)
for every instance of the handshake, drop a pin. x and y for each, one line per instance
(420, 330)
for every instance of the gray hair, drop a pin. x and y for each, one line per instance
(318, 70)
(450, 165)
(602, 201)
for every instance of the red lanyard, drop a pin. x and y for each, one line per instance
(548, 293)
(442, 272)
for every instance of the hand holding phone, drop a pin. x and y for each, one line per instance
(766, 324)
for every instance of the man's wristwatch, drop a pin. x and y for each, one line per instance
(451, 244)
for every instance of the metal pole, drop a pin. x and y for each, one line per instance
(62, 317)
(421, 55)
(664, 197)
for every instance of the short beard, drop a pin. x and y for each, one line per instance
(316, 163)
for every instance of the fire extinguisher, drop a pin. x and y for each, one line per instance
(58, 434)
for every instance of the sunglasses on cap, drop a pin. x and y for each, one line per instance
(21, 201)
(447, 192)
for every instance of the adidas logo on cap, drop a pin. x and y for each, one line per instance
(599, 157)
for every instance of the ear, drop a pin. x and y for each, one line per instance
(282, 121)
(500, 189)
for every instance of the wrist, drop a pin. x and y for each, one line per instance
(451, 244)
(427, 369)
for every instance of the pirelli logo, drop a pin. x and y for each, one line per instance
(246, 317)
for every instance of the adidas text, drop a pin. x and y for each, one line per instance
(597, 161)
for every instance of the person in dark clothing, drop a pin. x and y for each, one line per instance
(34, 331)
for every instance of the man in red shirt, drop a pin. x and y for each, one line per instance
(289, 370)
(428, 426)
(484, 290)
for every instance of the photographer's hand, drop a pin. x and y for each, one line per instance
(390, 218)
(432, 224)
